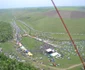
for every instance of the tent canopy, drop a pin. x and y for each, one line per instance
(30, 54)
(23, 48)
(55, 54)
(49, 50)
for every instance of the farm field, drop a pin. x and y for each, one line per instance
(45, 24)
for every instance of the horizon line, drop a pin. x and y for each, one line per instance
(39, 7)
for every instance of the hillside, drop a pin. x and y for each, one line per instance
(37, 29)
(48, 22)
(6, 31)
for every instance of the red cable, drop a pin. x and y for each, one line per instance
(68, 33)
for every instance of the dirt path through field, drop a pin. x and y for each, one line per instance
(55, 68)
(73, 66)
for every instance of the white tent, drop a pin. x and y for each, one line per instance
(49, 50)
(23, 48)
(56, 54)
(39, 39)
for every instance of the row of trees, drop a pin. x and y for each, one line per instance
(6, 32)
(9, 64)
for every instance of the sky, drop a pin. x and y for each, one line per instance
(39, 3)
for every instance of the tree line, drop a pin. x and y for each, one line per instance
(10, 64)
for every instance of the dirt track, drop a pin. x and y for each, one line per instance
(66, 14)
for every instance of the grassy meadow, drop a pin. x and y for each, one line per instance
(33, 21)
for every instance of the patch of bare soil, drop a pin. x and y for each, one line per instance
(66, 14)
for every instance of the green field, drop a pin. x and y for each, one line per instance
(33, 22)
(45, 24)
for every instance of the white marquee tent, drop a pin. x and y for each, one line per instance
(55, 54)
